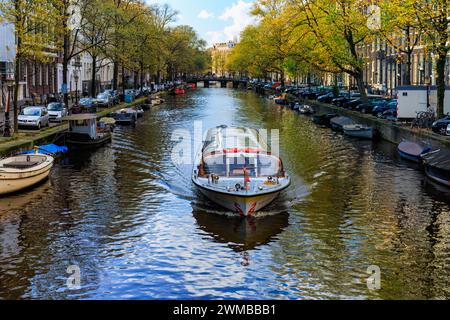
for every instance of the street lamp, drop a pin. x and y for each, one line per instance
(76, 75)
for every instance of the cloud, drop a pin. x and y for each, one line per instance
(204, 14)
(239, 15)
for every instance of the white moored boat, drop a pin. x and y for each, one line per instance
(235, 170)
(23, 171)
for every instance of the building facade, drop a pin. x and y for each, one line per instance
(219, 55)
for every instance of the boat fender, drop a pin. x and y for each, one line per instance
(270, 178)
(238, 187)
(216, 178)
(28, 158)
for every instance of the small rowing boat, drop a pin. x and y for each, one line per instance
(338, 123)
(412, 151)
(324, 119)
(306, 110)
(23, 171)
(359, 131)
(437, 166)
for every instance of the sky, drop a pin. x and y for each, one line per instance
(214, 20)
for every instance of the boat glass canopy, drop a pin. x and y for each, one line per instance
(236, 152)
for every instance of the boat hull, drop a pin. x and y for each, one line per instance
(436, 176)
(412, 151)
(409, 157)
(243, 206)
(361, 134)
(14, 182)
(89, 144)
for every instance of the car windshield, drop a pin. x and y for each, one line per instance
(35, 112)
(102, 96)
(55, 107)
(85, 101)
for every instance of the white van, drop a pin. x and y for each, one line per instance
(413, 99)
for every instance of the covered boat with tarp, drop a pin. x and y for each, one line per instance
(49, 149)
(437, 166)
(412, 151)
(235, 170)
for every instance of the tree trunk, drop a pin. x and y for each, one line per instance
(408, 69)
(123, 79)
(440, 68)
(94, 80)
(142, 76)
(116, 76)
(359, 77)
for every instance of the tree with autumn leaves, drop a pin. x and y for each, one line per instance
(324, 36)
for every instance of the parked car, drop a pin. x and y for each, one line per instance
(86, 102)
(441, 125)
(104, 100)
(57, 111)
(390, 114)
(448, 130)
(368, 107)
(35, 117)
(352, 104)
(380, 109)
(114, 95)
(326, 98)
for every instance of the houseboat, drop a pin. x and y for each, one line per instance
(235, 170)
(86, 133)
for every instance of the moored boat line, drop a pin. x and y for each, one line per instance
(436, 164)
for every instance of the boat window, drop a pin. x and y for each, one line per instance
(214, 165)
(260, 166)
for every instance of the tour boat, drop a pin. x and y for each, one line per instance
(412, 151)
(437, 166)
(235, 170)
(359, 131)
(85, 133)
(23, 171)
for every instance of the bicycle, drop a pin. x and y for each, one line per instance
(424, 119)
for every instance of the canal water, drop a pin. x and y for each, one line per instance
(131, 222)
